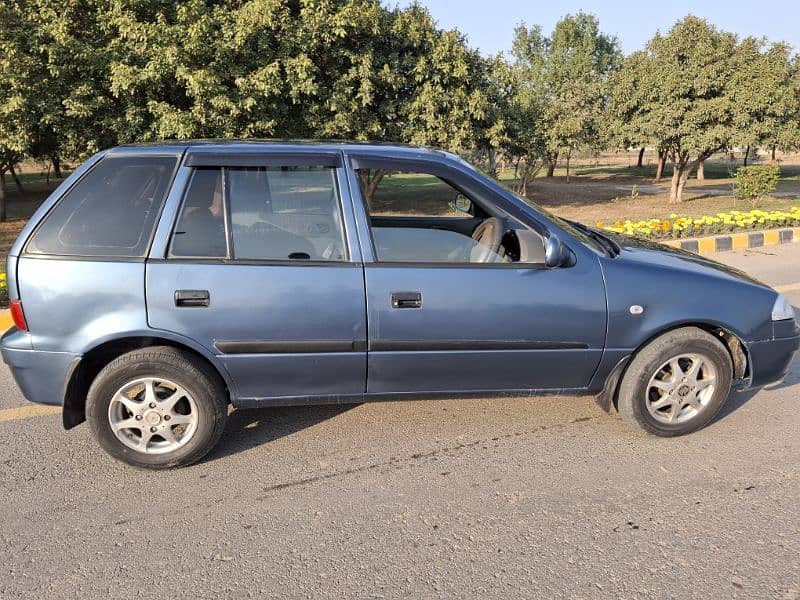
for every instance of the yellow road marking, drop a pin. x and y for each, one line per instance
(789, 287)
(27, 412)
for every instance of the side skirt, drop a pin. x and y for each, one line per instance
(397, 396)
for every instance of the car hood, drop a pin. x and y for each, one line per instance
(652, 253)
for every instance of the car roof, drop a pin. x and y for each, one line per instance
(278, 145)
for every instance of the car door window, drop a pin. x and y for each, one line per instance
(200, 231)
(285, 213)
(261, 213)
(421, 218)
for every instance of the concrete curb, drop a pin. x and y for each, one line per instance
(738, 241)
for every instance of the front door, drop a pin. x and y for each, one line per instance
(259, 271)
(445, 318)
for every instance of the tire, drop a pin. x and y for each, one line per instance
(676, 384)
(157, 408)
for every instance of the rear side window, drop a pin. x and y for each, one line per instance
(261, 213)
(110, 212)
(285, 213)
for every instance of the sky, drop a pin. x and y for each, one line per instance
(489, 24)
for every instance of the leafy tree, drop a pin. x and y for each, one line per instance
(677, 93)
(570, 69)
(764, 95)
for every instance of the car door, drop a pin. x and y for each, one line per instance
(261, 270)
(450, 325)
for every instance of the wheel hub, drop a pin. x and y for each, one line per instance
(683, 391)
(152, 418)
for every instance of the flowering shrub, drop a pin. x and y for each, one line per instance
(681, 227)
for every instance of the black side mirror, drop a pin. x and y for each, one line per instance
(556, 254)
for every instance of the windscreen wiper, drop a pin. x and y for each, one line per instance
(608, 244)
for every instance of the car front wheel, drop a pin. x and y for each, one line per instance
(677, 383)
(157, 408)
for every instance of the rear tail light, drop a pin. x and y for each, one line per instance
(18, 315)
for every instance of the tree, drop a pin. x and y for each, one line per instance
(571, 70)
(677, 95)
(18, 110)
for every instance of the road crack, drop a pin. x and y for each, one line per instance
(414, 458)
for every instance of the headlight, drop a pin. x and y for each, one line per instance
(782, 309)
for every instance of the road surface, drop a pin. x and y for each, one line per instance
(510, 498)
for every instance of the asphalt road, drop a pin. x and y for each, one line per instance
(511, 498)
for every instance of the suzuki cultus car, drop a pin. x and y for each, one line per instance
(161, 283)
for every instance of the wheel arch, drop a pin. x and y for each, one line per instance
(732, 341)
(85, 369)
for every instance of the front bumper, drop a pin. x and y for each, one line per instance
(40, 375)
(770, 360)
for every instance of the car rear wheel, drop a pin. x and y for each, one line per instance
(157, 408)
(677, 383)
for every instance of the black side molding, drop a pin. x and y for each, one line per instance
(289, 347)
(445, 345)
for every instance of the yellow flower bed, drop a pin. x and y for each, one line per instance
(729, 222)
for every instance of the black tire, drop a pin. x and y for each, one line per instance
(199, 380)
(633, 397)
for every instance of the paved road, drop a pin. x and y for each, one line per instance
(481, 498)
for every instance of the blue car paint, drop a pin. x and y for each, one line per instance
(554, 329)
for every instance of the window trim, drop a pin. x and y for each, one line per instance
(230, 257)
(105, 257)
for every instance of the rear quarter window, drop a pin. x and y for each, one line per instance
(110, 212)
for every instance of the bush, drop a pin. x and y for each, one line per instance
(756, 181)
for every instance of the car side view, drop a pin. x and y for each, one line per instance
(160, 283)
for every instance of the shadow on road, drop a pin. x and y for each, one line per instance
(248, 428)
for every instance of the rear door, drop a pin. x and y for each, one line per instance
(261, 269)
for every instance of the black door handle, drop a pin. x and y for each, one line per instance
(406, 300)
(192, 297)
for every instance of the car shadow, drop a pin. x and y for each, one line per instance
(738, 399)
(249, 428)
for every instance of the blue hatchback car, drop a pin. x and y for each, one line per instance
(160, 283)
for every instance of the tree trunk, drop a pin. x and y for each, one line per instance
(773, 154)
(57, 166)
(680, 174)
(491, 166)
(673, 188)
(701, 172)
(746, 154)
(569, 155)
(2, 195)
(641, 157)
(370, 178)
(552, 161)
(662, 158)
(17, 182)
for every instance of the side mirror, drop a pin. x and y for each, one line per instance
(462, 204)
(556, 254)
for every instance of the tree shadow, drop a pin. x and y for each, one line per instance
(249, 428)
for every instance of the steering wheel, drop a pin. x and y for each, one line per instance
(490, 235)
